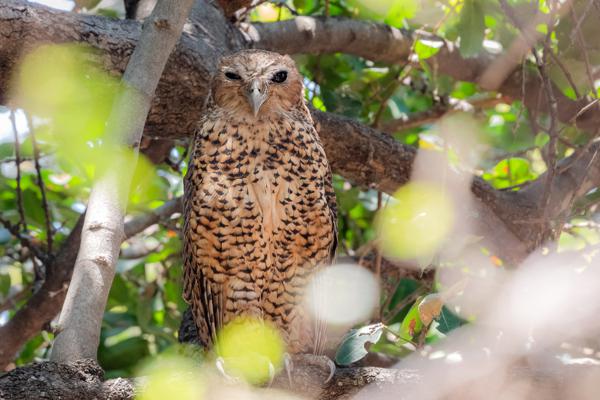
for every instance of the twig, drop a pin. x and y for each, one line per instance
(245, 13)
(22, 223)
(24, 240)
(389, 93)
(40, 182)
(436, 113)
(547, 85)
(581, 41)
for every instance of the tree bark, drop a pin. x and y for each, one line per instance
(84, 380)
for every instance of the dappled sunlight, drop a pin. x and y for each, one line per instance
(172, 377)
(343, 294)
(416, 201)
(251, 349)
(415, 223)
(71, 97)
(530, 317)
(429, 215)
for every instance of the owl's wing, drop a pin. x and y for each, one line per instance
(328, 180)
(331, 203)
(203, 296)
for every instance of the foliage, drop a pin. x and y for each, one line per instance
(145, 306)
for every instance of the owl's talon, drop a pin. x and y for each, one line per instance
(271, 374)
(332, 369)
(220, 365)
(289, 366)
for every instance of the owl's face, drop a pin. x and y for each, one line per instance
(257, 83)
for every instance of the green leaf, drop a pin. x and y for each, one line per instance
(6, 150)
(411, 325)
(541, 139)
(4, 284)
(400, 11)
(353, 346)
(124, 354)
(427, 48)
(510, 172)
(405, 288)
(33, 207)
(471, 27)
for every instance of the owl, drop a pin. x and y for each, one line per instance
(259, 207)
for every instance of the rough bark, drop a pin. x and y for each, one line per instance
(84, 380)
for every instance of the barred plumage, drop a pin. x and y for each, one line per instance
(259, 208)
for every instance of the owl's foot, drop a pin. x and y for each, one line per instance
(220, 365)
(322, 363)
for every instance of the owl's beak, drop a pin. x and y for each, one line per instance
(256, 95)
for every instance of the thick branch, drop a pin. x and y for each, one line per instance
(316, 35)
(180, 94)
(79, 380)
(84, 380)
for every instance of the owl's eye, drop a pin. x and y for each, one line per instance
(233, 76)
(279, 77)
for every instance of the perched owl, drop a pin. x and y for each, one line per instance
(259, 208)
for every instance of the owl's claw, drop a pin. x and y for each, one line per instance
(220, 364)
(271, 374)
(332, 369)
(289, 366)
(323, 362)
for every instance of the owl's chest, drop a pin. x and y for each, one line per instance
(263, 171)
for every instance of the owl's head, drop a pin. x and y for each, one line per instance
(258, 83)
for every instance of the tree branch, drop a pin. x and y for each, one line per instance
(140, 223)
(84, 380)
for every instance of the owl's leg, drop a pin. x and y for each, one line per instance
(323, 363)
